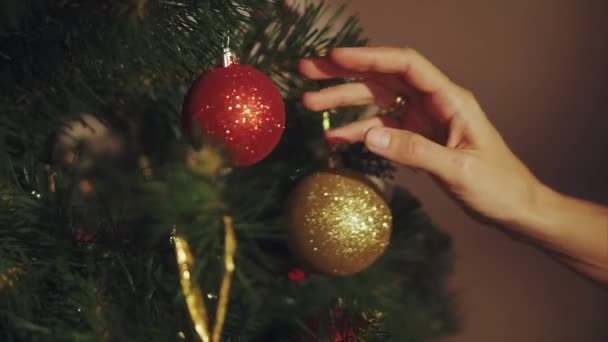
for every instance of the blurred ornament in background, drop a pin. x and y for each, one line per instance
(238, 107)
(338, 222)
(342, 329)
(86, 186)
(207, 160)
(82, 236)
(145, 167)
(9, 276)
(87, 136)
(296, 275)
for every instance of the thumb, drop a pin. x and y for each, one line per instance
(411, 149)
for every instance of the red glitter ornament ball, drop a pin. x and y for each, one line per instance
(238, 107)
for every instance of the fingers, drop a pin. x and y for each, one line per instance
(349, 94)
(456, 135)
(403, 71)
(417, 70)
(411, 149)
(347, 62)
(383, 137)
(321, 68)
(356, 131)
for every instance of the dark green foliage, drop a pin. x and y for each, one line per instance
(94, 254)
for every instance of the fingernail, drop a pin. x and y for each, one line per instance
(378, 138)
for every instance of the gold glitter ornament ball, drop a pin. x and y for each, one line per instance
(339, 223)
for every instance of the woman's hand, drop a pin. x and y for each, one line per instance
(442, 130)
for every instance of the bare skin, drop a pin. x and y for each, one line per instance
(444, 132)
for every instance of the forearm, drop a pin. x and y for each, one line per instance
(573, 230)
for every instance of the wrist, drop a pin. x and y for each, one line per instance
(534, 209)
(540, 218)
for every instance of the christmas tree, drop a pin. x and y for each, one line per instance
(123, 219)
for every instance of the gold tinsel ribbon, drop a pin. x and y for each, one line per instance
(193, 294)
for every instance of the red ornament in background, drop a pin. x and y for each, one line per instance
(342, 331)
(238, 107)
(346, 335)
(296, 275)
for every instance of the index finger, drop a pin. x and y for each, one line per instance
(416, 70)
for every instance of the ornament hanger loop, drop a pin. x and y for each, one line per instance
(399, 104)
(227, 57)
(333, 159)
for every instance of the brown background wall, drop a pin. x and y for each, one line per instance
(540, 70)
